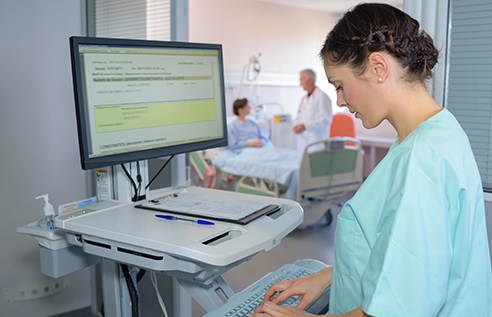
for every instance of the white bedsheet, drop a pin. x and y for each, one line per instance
(275, 164)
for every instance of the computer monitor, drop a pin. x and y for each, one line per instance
(138, 99)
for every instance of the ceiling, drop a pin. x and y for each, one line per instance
(335, 6)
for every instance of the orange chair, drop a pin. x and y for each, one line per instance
(343, 124)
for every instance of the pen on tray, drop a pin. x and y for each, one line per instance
(198, 221)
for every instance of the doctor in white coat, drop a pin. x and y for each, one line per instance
(315, 113)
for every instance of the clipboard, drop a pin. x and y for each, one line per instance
(210, 207)
(268, 210)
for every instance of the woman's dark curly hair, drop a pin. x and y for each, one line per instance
(375, 27)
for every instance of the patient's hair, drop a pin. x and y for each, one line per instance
(375, 27)
(239, 103)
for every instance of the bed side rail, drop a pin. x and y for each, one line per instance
(330, 171)
(201, 162)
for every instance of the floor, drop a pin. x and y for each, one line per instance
(309, 243)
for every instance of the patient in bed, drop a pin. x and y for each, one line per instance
(244, 132)
(252, 154)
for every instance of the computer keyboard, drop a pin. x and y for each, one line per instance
(245, 302)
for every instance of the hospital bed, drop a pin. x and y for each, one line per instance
(261, 171)
(314, 178)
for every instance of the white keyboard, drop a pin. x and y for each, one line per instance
(245, 302)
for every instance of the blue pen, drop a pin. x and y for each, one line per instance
(198, 221)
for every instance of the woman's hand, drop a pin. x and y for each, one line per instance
(309, 288)
(269, 309)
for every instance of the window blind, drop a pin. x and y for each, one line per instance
(469, 77)
(135, 19)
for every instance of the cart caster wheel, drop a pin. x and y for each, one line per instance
(329, 217)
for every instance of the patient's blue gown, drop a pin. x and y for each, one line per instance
(240, 133)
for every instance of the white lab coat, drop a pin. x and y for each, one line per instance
(316, 114)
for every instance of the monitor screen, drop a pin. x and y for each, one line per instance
(138, 99)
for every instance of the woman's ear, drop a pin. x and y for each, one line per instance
(378, 66)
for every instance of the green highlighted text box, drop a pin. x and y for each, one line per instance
(114, 118)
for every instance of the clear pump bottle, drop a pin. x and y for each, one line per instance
(49, 214)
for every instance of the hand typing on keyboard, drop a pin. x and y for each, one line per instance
(270, 309)
(305, 289)
(274, 286)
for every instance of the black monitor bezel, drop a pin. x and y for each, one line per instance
(87, 162)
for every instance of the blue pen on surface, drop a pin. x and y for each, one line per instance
(198, 221)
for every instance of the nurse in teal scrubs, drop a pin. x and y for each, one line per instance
(413, 239)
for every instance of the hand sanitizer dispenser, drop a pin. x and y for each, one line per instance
(58, 257)
(49, 213)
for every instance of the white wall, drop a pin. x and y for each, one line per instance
(288, 38)
(38, 142)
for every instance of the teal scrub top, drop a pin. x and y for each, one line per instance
(413, 240)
